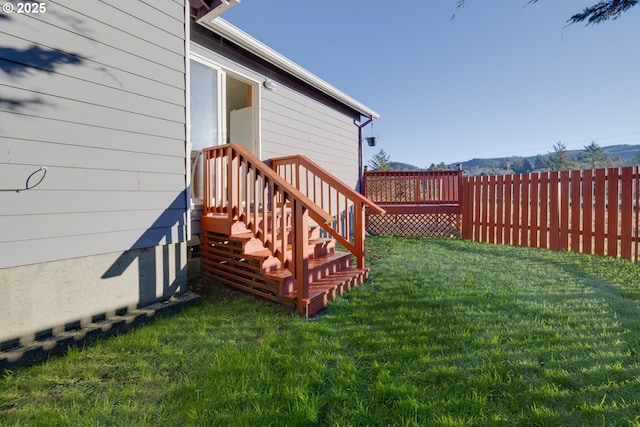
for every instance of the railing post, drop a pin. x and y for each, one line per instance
(358, 233)
(206, 179)
(232, 176)
(300, 255)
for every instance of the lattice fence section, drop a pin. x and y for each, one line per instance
(416, 221)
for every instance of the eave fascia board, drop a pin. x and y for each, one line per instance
(244, 40)
(206, 13)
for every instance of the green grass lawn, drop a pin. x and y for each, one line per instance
(445, 333)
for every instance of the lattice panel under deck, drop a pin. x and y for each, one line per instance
(415, 224)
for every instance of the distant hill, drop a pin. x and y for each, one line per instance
(622, 155)
(398, 166)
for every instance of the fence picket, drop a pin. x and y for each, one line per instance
(600, 212)
(575, 183)
(587, 211)
(636, 207)
(484, 208)
(613, 201)
(524, 227)
(477, 202)
(534, 207)
(544, 210)
(500, 210)
(563, 230)
(626, 216)
(492, 209)
(554, 212)
(517, 218)
(508, 191)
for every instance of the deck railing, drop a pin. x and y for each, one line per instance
(241, 187)
(345, 205)
(413, 187)
(418, 203)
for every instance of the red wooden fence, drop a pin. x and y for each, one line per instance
(593, 212)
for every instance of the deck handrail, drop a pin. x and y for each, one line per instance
(321, 187)
(414, 187)
(241, 187)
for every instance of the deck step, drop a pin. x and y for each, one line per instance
(248, 241)
(319, 267)
(233, 255)
(329, 288)
(319, 249)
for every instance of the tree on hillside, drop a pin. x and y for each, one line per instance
(540, 163)
(599, 12)
(521, 166)
(595, 157)
(560, 160)
(380, 161)
(439, 167)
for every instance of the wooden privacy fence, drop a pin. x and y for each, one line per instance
(588, 211)
(417, 203)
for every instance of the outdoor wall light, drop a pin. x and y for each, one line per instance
(269, 84)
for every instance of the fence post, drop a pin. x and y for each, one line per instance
(464, 204)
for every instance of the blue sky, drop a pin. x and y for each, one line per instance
(502, 78)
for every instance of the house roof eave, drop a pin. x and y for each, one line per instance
(244, 40)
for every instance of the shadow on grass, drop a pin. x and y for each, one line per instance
(444, 333)
(514, 333)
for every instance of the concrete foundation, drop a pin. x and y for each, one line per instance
(46, 299)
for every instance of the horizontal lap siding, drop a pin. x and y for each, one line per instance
(94, 91)
(291, 121)
(295, 124)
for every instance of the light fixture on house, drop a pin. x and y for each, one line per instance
(372, 140)
(269, 84)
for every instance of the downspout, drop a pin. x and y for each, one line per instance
(360, 166)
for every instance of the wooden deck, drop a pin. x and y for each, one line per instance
(417, 203)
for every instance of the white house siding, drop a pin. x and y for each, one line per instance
(95, 92)
(294, 119)
(293, 123)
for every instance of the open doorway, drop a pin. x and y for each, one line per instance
(223, 109)
(241, 114)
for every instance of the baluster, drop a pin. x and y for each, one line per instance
(265, 209)
(347, 218)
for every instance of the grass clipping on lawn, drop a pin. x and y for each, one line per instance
(444, 333)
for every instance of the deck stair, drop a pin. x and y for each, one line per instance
(287, 254)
